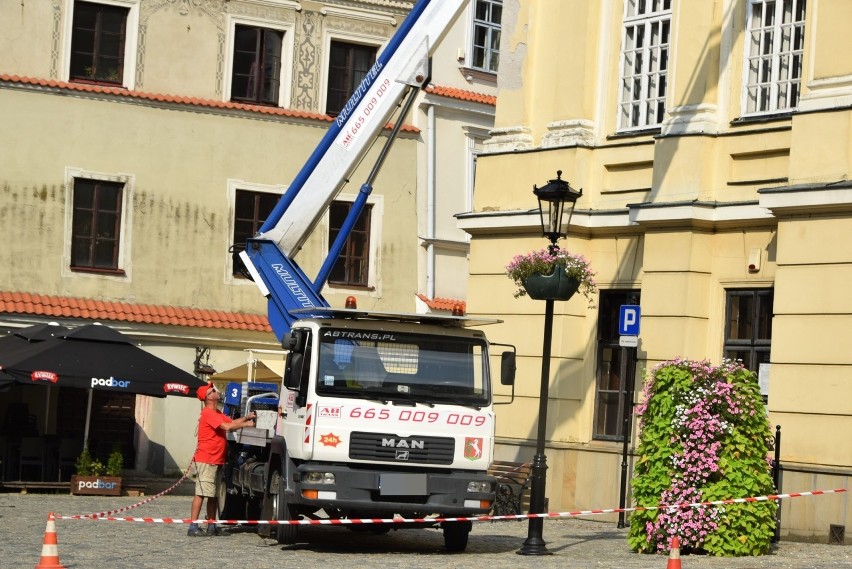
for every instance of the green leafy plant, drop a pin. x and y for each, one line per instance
(704, 437)
(545, 262)
(115, 462)
(87, 466)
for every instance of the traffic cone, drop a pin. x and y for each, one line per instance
(50, 551)
(674, 554)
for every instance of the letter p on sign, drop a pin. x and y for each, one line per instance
(628, 320)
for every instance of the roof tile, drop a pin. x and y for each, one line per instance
(461, 94)
(164, 97)
(96, 309)
(439, 303)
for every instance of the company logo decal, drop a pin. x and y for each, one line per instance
(92, 484)
(111, 382)
(403, 443)
(402, 455)
(176, 388)
(44, 376)
(472, 448)
(333, 412)
(330, 440)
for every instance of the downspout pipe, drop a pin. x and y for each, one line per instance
(431, 192)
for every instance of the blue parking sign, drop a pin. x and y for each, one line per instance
(628, 320)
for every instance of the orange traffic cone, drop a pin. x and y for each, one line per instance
(674, 554)
(50, 551)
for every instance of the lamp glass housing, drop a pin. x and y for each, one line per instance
(556, 201)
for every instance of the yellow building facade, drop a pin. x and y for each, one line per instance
(713, 145)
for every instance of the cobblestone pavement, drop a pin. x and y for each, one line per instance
(103, 544)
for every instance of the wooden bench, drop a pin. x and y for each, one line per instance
(513, 479)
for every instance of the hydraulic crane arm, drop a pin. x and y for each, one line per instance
(401, 67)
(404, 62)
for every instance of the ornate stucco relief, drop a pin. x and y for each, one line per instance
(56, 39)
(360, 27)
(306, 65)
(263, 11)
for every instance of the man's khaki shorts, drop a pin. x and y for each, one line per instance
(207, 482)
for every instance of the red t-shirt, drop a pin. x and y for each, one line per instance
(212, 443)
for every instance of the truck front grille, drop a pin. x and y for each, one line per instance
(403, 450)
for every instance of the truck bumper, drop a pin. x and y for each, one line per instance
(394, 492)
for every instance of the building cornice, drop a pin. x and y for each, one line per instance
(807, 199)
(635, 218)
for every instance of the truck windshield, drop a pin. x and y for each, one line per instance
(392, 366)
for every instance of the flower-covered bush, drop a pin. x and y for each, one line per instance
(544, 262)
(704, 437)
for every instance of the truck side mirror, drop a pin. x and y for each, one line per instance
(508, 366)
(293, 371)
(295, 340)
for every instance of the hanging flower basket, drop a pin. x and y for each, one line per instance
(554, 275)
(557, 286)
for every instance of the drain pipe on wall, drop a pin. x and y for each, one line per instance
(430, 201)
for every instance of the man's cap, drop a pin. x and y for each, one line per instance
(204, 390)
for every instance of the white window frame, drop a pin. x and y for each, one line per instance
(287, 47)
(374, 280)
(336, 35)
(131, 39)
(124, 243)
(233, 186)
(774, 45)
(491, 27)
(632, 108)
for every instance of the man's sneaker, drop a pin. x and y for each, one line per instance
(213, 529)
(194, 531)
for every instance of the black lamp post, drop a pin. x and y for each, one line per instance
(555, 199)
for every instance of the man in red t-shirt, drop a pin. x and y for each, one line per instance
(210, 455)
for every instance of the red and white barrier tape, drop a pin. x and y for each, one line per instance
(361, 521)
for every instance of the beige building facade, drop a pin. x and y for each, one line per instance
(712, 143)
(187, 121)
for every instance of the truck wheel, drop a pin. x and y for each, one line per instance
(229, 506)
(286, 534)
(455, 536)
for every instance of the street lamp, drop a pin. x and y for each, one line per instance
(555, 199)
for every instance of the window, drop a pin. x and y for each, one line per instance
(348, 64)
(613, 369)
(644, 63)
(256, 73)
(250, 211)
(98, 43)
(775, 38)
(486, 35)
(748, 330)
(96, 225)
(353, 266)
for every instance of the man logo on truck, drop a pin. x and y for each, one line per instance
(402, 443)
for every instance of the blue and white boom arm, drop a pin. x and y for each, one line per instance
(402, 65)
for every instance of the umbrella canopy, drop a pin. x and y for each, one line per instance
(96, 357)
(24, 339)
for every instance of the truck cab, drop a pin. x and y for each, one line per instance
(380, 415)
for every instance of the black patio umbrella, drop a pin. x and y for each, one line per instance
(95, 356)
(24, 338)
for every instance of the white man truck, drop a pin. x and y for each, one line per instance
(378, 415)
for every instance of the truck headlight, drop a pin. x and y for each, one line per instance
(478, 487)
(318, 478)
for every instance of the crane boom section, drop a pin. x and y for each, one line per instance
(403, 63)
